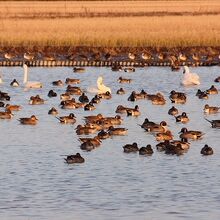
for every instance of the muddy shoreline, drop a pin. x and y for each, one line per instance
(194, 55)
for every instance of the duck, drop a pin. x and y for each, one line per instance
(116, 68)
(146, 124)
(101, 87)
(51, 94)
(2, 104)
(158, 100)
(4, 96)
(106, 95)
(74, 90)
(117, 131)
(103, 134)
(71, 159)
(183, 142)
(29, 121)
(70, 81)
(162, 127)
(57, 83)
(210, 109)
(156, 96)
(190, 134)
(78, 70)
(70, 119)
(6, 115)
(80, 130)
(129, 69)
(146, 56)
(206, 150)
(53, 111)
(28, 56)
(83, 98)
(164, 136)
(182, 118)
(14, 83)
(217, 79)
(177, 97)
(137, 96)
(131, 56)
(93, 118)
(89, 107)
(36, 100)
(9, 56)
(9, 107)
(131, 148)
(214, 123)
(174, 149)
(203, 95)
(65, 96)
(133, 111)
(212, 90)
(121, 91)
(189, 78)
(96, 99)
(173, 111)
(87, 146)
(96, 141)
(68, 104)
(162, 145)
(146, 150)
(117, 120)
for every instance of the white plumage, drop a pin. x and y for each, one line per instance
(189, 78)
(101, 87)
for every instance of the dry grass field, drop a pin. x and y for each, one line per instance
(110, 23)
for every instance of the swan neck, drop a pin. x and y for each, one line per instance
(25, 73)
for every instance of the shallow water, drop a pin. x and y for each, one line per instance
(37, 184)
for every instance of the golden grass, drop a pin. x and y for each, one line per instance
(169, 31)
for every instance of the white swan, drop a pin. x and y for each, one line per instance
(1, 81)
(30, 84)
(189, 78)
(101, 87)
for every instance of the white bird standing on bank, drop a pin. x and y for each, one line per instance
(29, 84)
(101, 87)
(189, 78)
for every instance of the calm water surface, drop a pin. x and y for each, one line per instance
(37, 184)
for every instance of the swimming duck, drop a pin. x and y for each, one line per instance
(74, 159)
(164, 136)
(53, 111)
(65, 96)
(212, 90)
(129, 69)
(173, 111)
(182, 118)
(133, 111)
(70, 119)
(203, 95)
(183, 142)
(14, 83)
(9, 107)
(85, 130)
(73, 90)
(68, 104)
(174, 149)
(217, 79)
(206, 150)
(57, 83)
(96, 141)
(146, 124)
(78, 70)
(214, 123)
(162, 145)
(158, 100)
(194, 135)
(121, 91)
(106, 95)
(146, 150)
(83, 98)
(117, 131)
(177, 97)
(136, 96)
(116, 68)
(87, 146)
(93, 118)
(4, 96)
(2, 104)
(51, 93)
(162, 127)
(6, 115)
(152, 97)
(210, 109)
(124, 80)
(72, 81)
(29, 121)
(89, 107)
(131, 148)
(36, 100)
(103, 134)
(117, 120)
(189, 78)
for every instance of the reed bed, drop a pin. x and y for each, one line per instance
(50, 27)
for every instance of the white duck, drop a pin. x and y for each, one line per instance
(30, 84)
(189, 78)
(101, 87)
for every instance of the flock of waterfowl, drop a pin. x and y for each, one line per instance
(105, 127)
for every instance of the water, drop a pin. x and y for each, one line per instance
(37, 184)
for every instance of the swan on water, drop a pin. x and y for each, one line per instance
(189, 78)
(29, 84)
(101, 87)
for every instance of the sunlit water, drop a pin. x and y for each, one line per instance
(37, 184)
